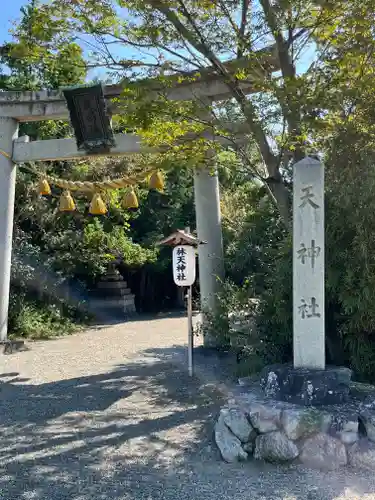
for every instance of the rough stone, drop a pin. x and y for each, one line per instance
(275, 447)
(362, 454)
(13, 346)
(349, 437)
(323, 435)
(305, 386)
(367, 417)
(237, 422)
(345, 421)
(302, 422)
(351, 425)
(323, 452)
(363, 392)
(368, 403)
(249, 447)
(265, 417)
(271, 385)
(228, 444)
(345, 425)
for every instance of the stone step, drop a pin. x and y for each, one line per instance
(106, 303)
(112, 292)
(128, 299)
(113, 302)
(112, 277)
(112, 284)
(130, 309)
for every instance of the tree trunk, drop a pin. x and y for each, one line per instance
(282, 197)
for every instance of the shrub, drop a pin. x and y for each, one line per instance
(37, 320)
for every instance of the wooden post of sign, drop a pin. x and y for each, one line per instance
(190, 323)
(183, 261)
(190, 330)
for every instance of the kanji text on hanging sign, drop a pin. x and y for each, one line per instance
(183, 260)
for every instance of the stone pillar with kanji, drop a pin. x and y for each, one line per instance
(309, 381)
(308, 264)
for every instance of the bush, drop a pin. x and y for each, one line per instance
(252, 231)
(256, 245)
(41, 302)
(35, 319)
(350, 234)
(232, 326)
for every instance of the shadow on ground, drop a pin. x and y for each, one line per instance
(142, 431)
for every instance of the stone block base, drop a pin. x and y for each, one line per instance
(306, 387)
(323, 437)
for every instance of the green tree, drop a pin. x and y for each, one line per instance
(158, 38)
(51, 248)
(39, 57)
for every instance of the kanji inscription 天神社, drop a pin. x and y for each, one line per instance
(308, 264)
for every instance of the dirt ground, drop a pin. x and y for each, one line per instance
(111, 414)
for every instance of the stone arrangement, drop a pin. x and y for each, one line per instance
(326, 437)
(113, 295)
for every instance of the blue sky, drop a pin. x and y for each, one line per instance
(10, 10)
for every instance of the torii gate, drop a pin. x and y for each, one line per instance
(16, 107)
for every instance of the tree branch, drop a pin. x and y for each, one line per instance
(246, 106)
(151, 45)
(290, 109)
(196, 39)
(229, 17)
(245, 8)
(287, 66)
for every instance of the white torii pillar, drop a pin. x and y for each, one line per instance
(210, 254)
(8, 132)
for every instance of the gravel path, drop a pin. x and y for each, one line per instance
(110, 414)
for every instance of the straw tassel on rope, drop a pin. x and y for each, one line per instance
(66, 202)
(130, 200)
(97, 205)
(44, 187)
(156, 181)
